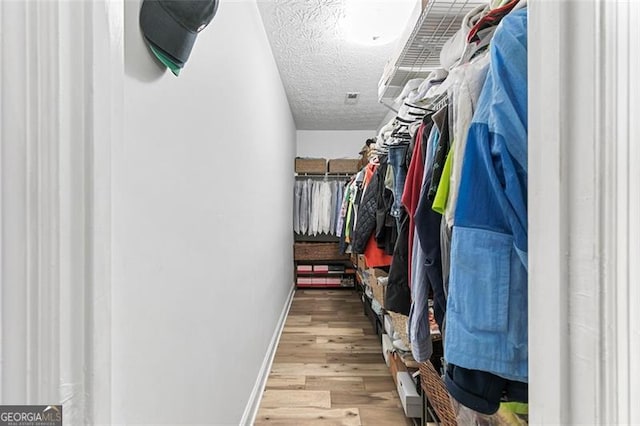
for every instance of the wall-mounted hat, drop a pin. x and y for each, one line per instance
(171, 27)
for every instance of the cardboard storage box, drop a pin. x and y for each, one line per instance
(396, 366)
(362, 263)
(374, 273)
(344, 165)
(378, 290)
(411, 401)
(311, 165)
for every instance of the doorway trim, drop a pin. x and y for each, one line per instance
(61, 108)
(584, 211)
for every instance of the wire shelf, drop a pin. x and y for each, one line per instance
(439, 21)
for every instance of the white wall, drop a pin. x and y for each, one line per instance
(201, 224)
(331, 143)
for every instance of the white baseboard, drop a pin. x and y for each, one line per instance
(251, 410)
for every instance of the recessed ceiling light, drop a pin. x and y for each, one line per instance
(376, 22)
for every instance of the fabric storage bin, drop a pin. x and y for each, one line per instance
(311, 165)
(342, 165)
(318, 251)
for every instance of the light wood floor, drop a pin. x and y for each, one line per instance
(328, 368)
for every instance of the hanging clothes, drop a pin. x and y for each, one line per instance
(441, 121)
(375, 256)
(398, 294)
(339, 197)
(348, 211)
(487, 301)
(314, 216)
(332, 207)
(397, 298)
(297, 193)
(461, 211)
(342, 213)
(355, 193)
(303, 211)
(466, 95)
(366, 219)
(316, 206)
(413, 184)
(397, 155)
(386, 231)
(425, 267)
(470, 79)
(325, 207)
(364, 241)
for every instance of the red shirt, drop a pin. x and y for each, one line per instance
(412, 187)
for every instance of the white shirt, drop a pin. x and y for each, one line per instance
(465, 97)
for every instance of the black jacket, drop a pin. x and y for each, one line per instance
(398, 295)
(366, 220)
(386, 228)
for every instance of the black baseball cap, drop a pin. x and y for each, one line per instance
(170, 27)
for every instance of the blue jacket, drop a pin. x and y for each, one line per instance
(487, 304)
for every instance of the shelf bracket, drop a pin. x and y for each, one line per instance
(382, 101)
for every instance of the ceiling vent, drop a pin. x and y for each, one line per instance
(351, 98)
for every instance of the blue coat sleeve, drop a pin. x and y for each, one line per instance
(487, 305)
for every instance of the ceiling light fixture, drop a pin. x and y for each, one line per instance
(377, 22)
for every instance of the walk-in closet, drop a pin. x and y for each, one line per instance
(422, 228)
(309, 212)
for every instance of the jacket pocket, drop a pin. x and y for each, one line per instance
(479, 280)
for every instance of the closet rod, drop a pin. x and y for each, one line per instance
(439, 102)
(327, 175)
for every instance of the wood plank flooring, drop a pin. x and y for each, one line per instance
(328, 368)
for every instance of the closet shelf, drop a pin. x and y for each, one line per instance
(419, 54)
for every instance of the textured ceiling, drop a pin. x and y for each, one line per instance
(318, 67)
